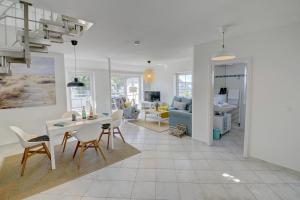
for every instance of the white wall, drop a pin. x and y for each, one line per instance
(32, 119)
(275, 96)
(165, 78)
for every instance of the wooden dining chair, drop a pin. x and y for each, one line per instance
(68, 134)
(31, 145)
(87, 136)
(114, 127)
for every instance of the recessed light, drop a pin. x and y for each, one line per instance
(137, 43)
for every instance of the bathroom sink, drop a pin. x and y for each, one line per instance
(224, 108)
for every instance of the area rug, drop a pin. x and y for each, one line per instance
(39, 177)
(152, 125)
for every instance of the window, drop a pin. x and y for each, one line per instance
(81, 96)
(126, 85)
(184, 84)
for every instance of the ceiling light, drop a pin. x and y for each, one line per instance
(137, 43)
(149, 74)
(223, 55)
(75, 82)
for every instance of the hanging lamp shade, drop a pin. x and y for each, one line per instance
(75, 82)
(149, 74)
(223, 54)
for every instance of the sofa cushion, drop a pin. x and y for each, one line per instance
(180, 113)
(175, 98)
(171, 108)
(180, 105)
(188, 102)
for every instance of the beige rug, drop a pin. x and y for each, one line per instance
(152, 125)
(39, 177)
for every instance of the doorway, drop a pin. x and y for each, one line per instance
(229, 104)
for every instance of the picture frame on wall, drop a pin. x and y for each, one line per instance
(29, 87)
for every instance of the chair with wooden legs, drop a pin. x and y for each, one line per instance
(114, 127)
(87, 138)
(68, 134)
(31, 146)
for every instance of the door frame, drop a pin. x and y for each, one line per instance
(248, 73)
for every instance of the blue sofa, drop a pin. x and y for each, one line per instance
(181, 116)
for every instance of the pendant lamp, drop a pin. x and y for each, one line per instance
(149, 75)
(75, 82)
(223, 55)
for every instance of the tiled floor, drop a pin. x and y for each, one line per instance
(172, 168)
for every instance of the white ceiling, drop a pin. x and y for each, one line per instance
(167, 29)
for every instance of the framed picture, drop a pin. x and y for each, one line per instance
(29, 87)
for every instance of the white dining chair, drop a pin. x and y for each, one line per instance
(117, 117)
(87, 138)
(68, 134)
(30, 147)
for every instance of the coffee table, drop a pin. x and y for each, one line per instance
(158, 115)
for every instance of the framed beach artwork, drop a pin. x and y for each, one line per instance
(29, 87)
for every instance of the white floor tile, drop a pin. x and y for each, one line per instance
(99, 189)
(167, 191)
(179, 155)
(237, 165)
(200, 165)
(131, 163)
(288, 177)
(190, 191)
(205, 176)
(186, 176)
(146, 175)
(218, 165)
(183, 164)
(285, 191)
(114, 174)
(268, 177)
(164, 163)
(143, 190)
(227, 156)
(296, 187)
(214, 192)
(238, 192)
(196, 155)
(148, 163)
(211, 156)
(92, 198)
(165, 175)
(262, 192)
(120, 189)
(244, 177)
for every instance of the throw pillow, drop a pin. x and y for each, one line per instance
(176, 98)
(179, 105)
(190, 108)
(127, 104)
(163, 108)
(188, 102)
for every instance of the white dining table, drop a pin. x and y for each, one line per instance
(68, 126)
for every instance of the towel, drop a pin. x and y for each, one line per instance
(233, 94)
